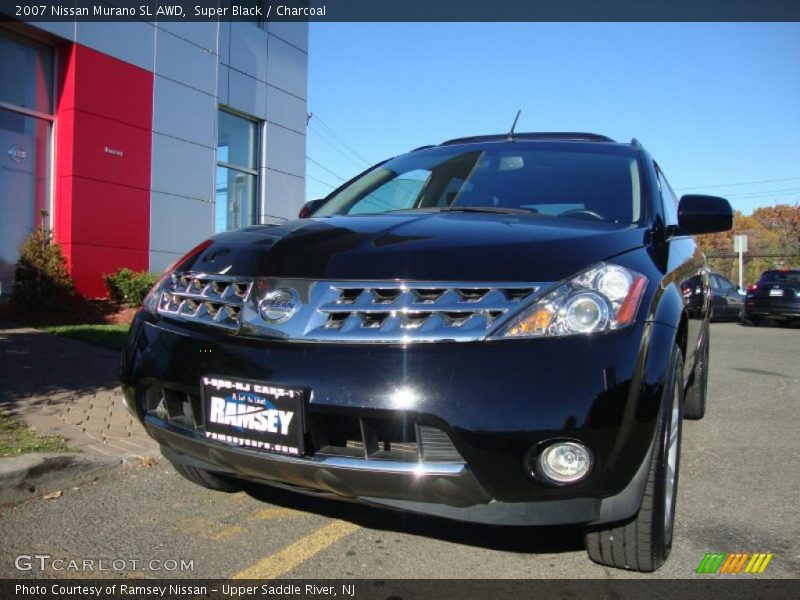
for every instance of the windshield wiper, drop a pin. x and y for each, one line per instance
(474, 209)
(489, 209)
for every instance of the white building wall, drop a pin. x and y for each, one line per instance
(275, 91)
(198, 67)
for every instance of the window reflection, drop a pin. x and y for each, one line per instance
(26, 74)
(237, 172)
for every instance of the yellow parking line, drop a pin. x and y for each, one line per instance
(293, 555)
(271, 514)
(226, 532)
(209, 529)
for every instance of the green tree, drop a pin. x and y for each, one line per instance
(41, 279)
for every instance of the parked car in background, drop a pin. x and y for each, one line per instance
(776, 296)
(490, 330)
(695, 294)
(725, 301)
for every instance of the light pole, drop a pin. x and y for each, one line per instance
(740, 246)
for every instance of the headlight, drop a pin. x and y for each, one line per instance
(604, 298)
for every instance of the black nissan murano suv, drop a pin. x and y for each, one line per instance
(490, 330)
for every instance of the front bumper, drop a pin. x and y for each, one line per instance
(495, 401)
(451, 492)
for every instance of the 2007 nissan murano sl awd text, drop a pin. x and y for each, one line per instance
(491, 330)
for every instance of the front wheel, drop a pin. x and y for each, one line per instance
(751, 321)
(644, 542)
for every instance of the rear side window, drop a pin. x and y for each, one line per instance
(721, 283)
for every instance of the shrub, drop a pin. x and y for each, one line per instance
(129, 287)
(41, 279)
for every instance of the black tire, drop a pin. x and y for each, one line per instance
(750, 321)
(207, 479)
(644, 542)
(695, 404)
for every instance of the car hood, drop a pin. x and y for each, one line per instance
(441, 246)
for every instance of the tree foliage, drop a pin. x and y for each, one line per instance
(771, 230)
(41, 279)
(129, 288)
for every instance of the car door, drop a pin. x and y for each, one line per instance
(729, 299)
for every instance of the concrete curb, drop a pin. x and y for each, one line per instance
(32, 475)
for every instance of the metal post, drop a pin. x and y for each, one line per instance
(741, 270)
(740, 246)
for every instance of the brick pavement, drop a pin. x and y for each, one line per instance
(61, 386)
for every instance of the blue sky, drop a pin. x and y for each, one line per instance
(715, 104)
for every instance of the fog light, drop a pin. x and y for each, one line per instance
(565, 462)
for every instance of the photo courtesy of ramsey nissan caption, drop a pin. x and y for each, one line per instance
(492, 329)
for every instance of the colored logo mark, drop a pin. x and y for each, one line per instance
(734, 562)
(17, 154)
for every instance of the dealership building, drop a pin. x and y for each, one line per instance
(142, 139)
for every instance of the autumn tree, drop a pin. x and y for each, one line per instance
(773, 230)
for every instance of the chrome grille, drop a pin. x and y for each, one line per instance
(347, 311)
(411, 311)
(204, 298)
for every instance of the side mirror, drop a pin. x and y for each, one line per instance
(704, 214)
(309, 207)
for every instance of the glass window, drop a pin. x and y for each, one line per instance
(396, 194)
(719, 282)
(553, 181)
(780, 277)
(237, 172)
(237, 141)
(26, 74)
(668, 200)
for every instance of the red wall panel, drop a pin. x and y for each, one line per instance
(88, 263)
(106, 214)
(103, 153)
(111, 151)
(108, 87)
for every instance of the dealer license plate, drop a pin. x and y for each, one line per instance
(253, 414)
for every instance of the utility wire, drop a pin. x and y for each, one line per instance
(324, 168)
(785, 191)
(333, 144)
(708, 187)
(322, 182)
(336, 136)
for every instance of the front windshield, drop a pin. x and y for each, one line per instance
(574, 182)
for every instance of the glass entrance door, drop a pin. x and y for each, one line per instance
(26, 105)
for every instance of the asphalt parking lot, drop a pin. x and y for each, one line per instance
(738, 492)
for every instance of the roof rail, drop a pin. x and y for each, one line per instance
(424, 147)
(550, 135)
